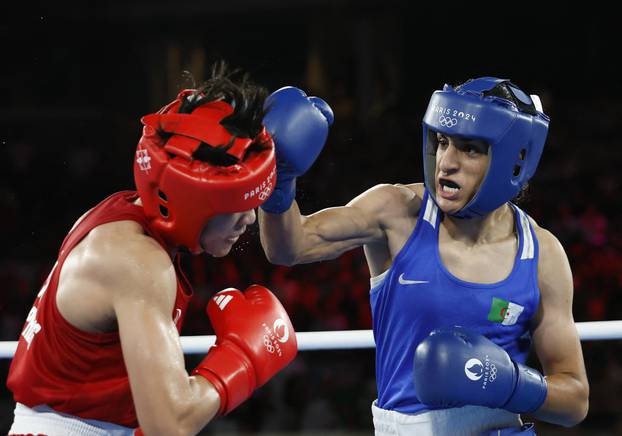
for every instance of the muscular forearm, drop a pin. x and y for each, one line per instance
(208, 401)
(282, 235)
(290, 238)
(186, 414)
(566, 401)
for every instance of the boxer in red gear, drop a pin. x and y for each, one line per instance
(100, 350)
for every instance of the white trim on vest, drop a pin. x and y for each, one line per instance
(431, 211)
(528, 245)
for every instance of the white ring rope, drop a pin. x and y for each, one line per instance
(352, 339)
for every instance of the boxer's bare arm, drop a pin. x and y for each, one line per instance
(291, 238)
(556, 340)
(141, 281)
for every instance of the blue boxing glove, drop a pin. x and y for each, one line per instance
(454, 367)
(299, 127)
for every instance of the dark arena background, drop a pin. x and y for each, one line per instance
(75, 81)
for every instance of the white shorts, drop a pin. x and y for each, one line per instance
(46, 421)
(459, 421)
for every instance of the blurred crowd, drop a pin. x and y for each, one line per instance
(68, 141)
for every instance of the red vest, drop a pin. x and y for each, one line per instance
(70, 370)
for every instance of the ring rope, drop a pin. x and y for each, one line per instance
(354, 339)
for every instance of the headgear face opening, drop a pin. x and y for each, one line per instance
(180, 192)
(499, 113)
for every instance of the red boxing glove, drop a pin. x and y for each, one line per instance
(254, 340)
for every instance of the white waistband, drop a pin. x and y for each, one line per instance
(459, 421)
(44, 420)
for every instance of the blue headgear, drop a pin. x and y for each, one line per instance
(514, 130)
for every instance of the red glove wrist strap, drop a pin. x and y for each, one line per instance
(231, 372)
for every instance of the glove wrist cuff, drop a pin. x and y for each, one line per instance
(530, 391)
(282, 198)
(228, 368)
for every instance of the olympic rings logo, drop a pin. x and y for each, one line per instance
(447, 121)
(263, 195)
(493, 373)
(268, 344)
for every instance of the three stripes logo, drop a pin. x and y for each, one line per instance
(222, 300)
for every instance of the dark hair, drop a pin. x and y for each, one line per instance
(509, 91)
(236, 88)
(523, 197)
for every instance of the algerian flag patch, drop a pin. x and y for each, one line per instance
(504, 312)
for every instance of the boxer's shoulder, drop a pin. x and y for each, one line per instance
(415, 193)
(404, 200)
(554, 272)
(120, 252)
(114, 259)
(392, 206)
(394, 197)
(388, 202)
(552, 255)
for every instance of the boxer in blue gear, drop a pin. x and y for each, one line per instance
(454, 257)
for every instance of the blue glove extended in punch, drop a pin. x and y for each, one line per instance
(454, 367)
(299, 127)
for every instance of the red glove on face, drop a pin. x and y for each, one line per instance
(254, 340)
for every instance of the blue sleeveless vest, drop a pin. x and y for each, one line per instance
(418, 294)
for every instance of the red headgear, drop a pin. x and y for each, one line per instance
(179, 193)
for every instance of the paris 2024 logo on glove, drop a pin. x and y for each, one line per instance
(272, 336)
(475, 370)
